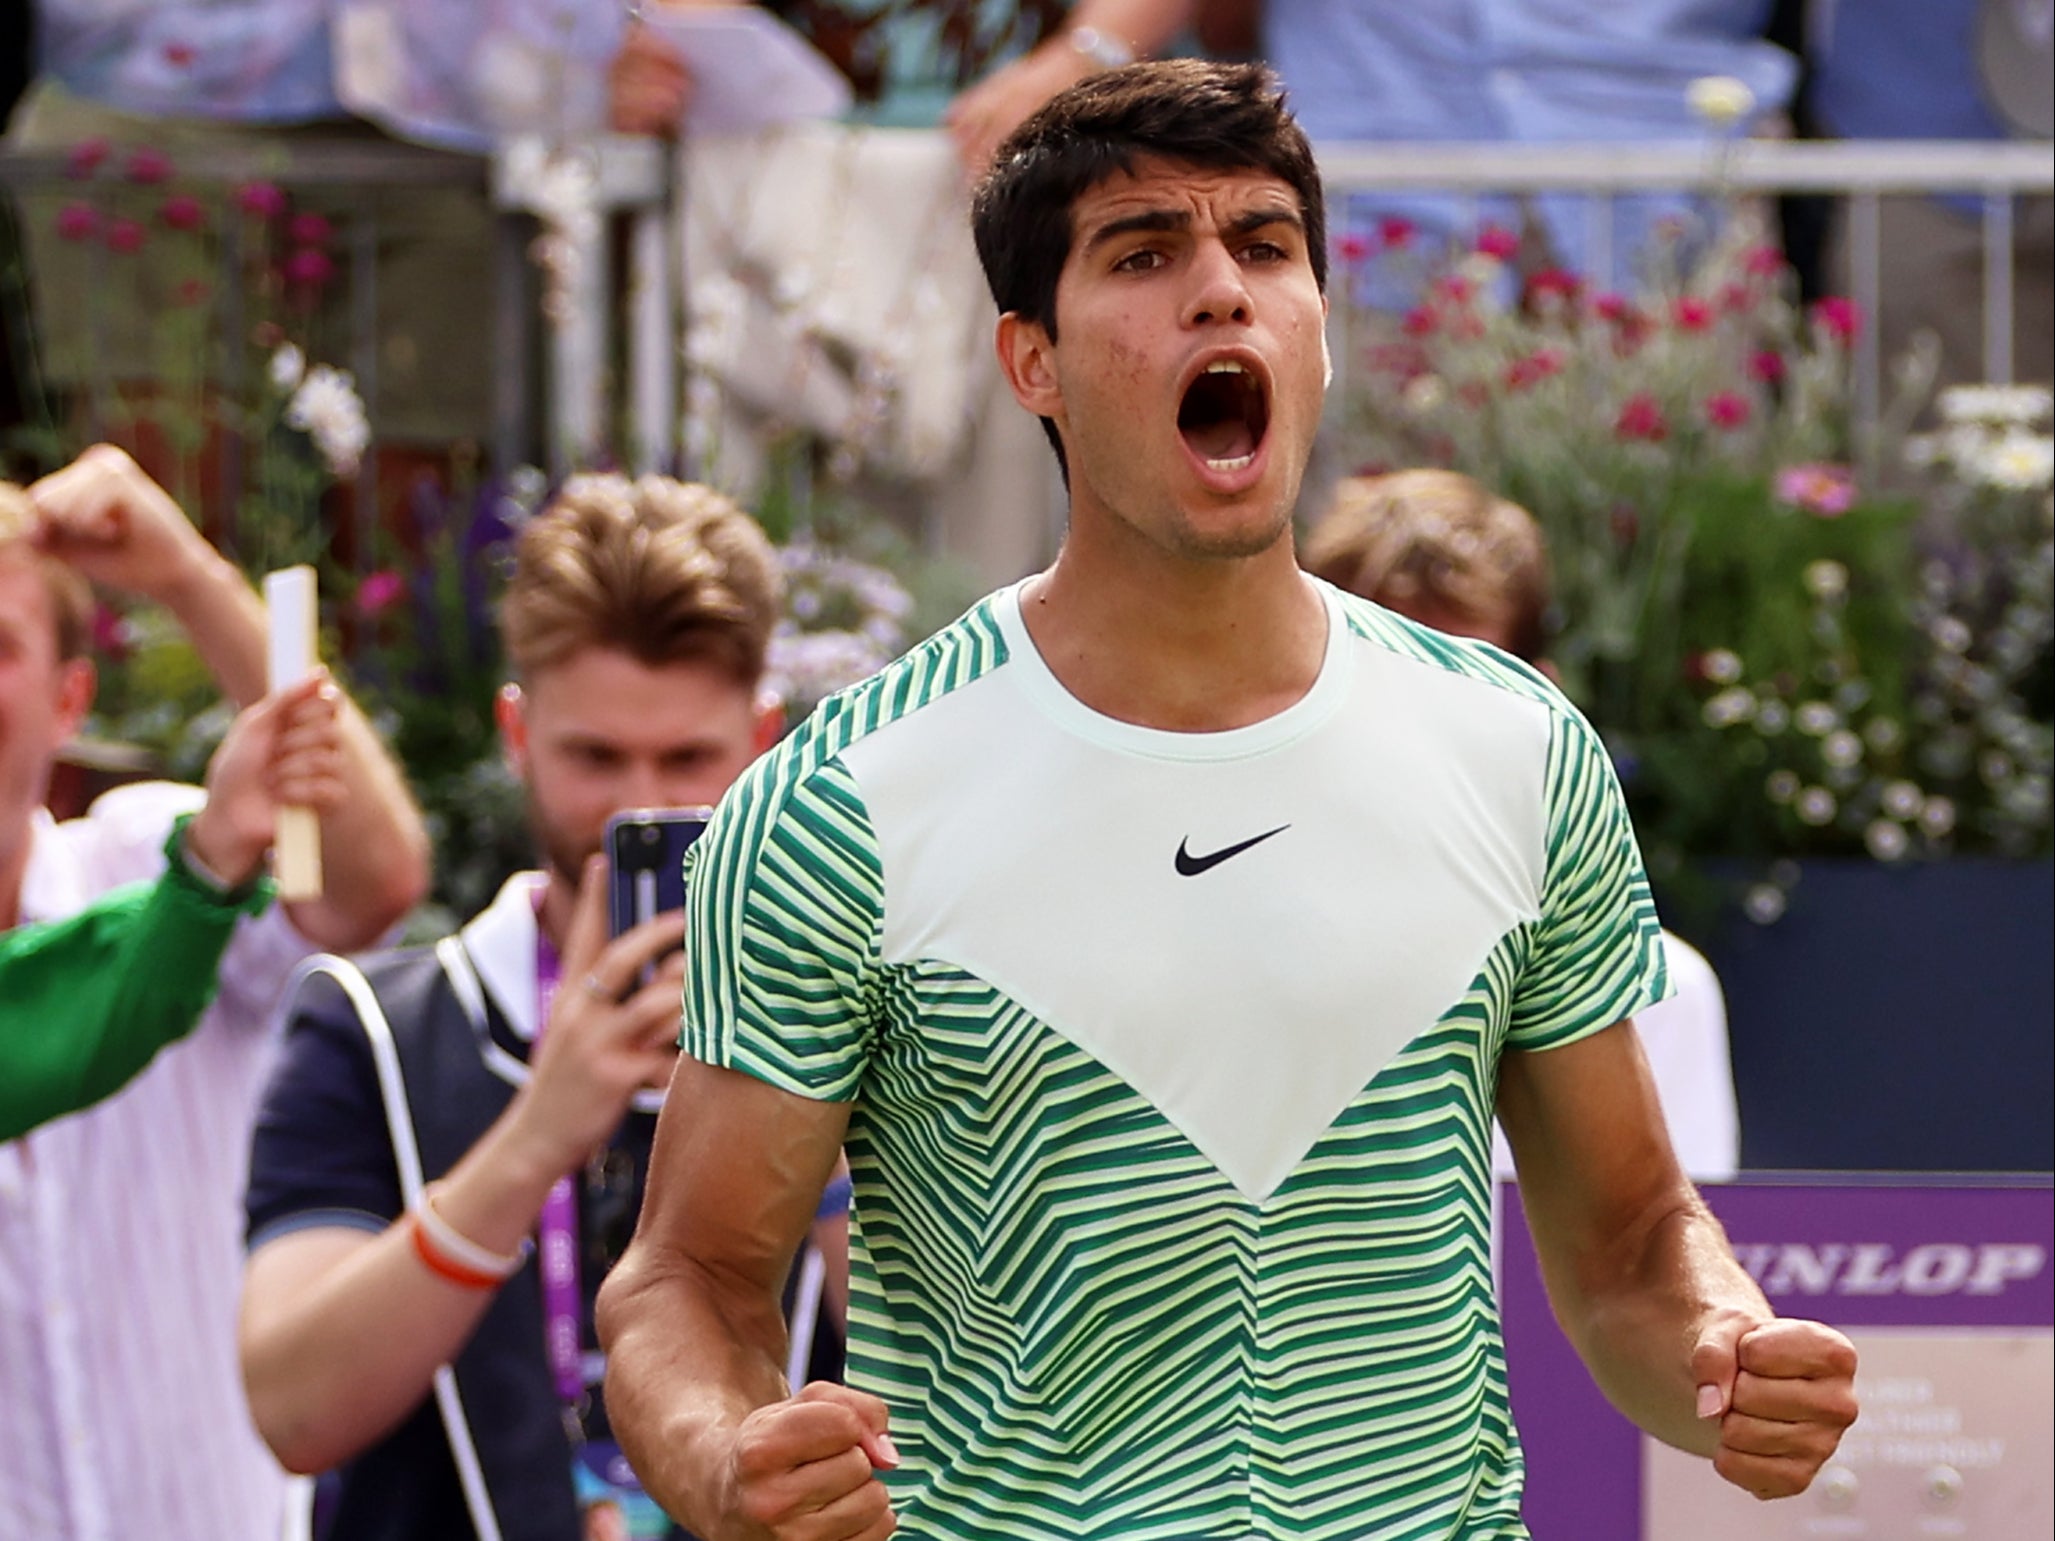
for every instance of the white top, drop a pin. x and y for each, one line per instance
(122, 1412)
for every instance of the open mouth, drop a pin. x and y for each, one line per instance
(1224, 415)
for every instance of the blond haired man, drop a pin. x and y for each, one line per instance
(636, 622)
(120, 1409)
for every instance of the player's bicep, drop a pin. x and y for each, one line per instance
(1590, 1146)
(737, 1173)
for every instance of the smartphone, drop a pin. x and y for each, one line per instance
(645, 850)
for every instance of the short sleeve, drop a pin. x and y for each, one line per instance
(1597, 953)
(320, 1154)
(783, 915)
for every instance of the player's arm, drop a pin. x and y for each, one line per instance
(1644, 1284)
(695, 1337)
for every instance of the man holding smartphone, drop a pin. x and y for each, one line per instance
(1157, 939)
(451, 1110)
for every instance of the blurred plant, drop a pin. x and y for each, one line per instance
(1793, 644)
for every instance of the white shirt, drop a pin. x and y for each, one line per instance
(122, 1412)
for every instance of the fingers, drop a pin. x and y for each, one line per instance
(870, 1412)
(1715, 1361)
(618, 965)
(306, 760)
(1789, 1348)
(1792, 1396)
(587, 932)
(801, 1468)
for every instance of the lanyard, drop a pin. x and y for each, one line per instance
(557, 1234)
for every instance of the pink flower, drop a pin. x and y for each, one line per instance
(1766, 365)
(1473, 393)
(86, 157)
(1420, 321)
(126, 235)
(309, 268)
(178, 55)
(1396, 232)
(1454, 288)
(380, 591)
(1641, 417)
(1559, 283)
(1762, 262)
(78, 222)
(1497, 241)
(191, 291)
(1839, 317)
(260, 200)
(183, 212)
(1610, 306)
(1727, 409)
(1735, 298)
(1352, 249)
(309, 230)
(1824, 491)
(148, 166)
(1691, 314)
(112, 636)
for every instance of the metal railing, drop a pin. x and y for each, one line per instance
(1862, 172)
(626, 185)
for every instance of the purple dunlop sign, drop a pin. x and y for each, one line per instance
(1849, 1250)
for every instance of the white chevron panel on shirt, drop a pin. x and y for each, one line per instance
(1034, 843)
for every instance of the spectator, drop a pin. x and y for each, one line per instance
(522, 1058)
(1440, 549)
(1447, 71)
(121, 1412)
(1158, 937)
(86, 1002)
(1910, 69)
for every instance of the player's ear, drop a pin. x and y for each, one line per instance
(1028, 359)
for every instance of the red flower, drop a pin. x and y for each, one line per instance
(261, 200)
(1559, 283)
(1352, 249)
(1420, 321)
(1642, 418)
(78, 222)
(1727, 409)
(1396, 232)
(1766, 365)
(112, 636)
(1691, 314)
(1454, 288)
(1839, 317)
(380, 591)
(148, 166)
(125, 235)
(1610, 306)
(86, 157)
(1497, 241)
(183, 212)
(1736, 298)
(1763, 262)
(178, 55)
(191, 291)
(309, 268)
(309, 230)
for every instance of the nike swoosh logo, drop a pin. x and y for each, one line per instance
(1191, 866)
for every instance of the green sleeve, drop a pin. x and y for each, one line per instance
(86, 1003)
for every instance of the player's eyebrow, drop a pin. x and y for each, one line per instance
(1169, 220)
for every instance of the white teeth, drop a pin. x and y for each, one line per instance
(1225, 367)
(1231, 465)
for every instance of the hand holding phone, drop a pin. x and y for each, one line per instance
(645, 851)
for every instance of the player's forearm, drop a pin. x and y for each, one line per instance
(689, 1356)
(1634, 1309)
(340, 1343)
(223, 617)
(374, 848)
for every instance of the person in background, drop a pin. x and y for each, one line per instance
(1157, 938)
(121, 1413)
(517, 1062)
(1449, 71)
(86, 1002)
(1440, 548)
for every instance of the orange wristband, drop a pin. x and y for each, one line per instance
(446, 1268)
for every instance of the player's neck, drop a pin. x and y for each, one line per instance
(1186, 647)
